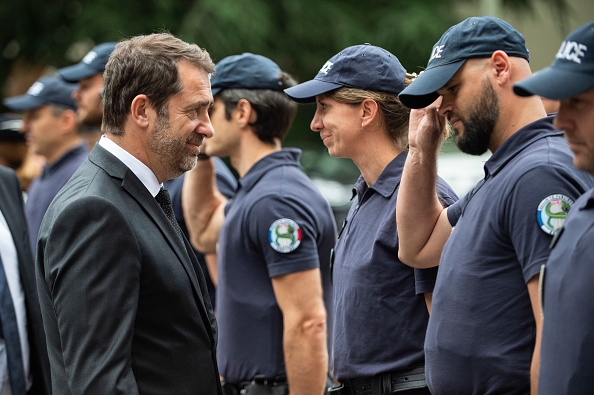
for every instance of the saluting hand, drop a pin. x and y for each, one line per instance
(426, 127)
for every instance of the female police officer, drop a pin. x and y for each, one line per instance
(380, 312)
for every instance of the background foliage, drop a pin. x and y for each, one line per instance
(300, 35)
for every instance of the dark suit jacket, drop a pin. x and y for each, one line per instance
(11, 205)
(124, 305)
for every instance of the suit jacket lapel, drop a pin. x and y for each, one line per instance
(114, 167)
(10, 209)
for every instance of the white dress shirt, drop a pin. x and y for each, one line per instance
(144, 174)
(11, 268)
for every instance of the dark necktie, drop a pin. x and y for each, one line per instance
(165, 202)
(10, 333)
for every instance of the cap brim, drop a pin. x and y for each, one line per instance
(307, 91)
(23, 103)
(423, 90)
(554, 83)
(216, 91)
(76, 72)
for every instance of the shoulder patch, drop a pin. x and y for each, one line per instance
(284, 235)
(552, 211)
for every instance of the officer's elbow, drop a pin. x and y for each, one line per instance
(313, 323)
(202, 244)
(417, 261)
(406, 257)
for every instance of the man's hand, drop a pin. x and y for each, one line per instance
(426, 127)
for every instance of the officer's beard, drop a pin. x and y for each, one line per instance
(480, 122)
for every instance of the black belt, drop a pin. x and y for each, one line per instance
(385, 383)
(258, 385)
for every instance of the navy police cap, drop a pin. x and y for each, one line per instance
(46, 90)
(475, 37)
(246, 71)
(361, 66)
(572, 71)
(94, 62)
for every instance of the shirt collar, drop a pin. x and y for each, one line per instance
(140, 170)
(518, 142)
(387, 181)
(284, 157)
(82, 148)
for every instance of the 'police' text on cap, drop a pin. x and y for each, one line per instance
(475, 37)
(572, 71)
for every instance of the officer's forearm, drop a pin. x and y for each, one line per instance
(306, 356)
(535, 365)
(201, 201)
(418, 211)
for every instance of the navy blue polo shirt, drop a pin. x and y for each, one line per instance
(567, 358)
(277, 223)
(481, 332)
(226, 184)
(380, 310)
(44, 188)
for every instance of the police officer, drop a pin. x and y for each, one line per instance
(273, 294)
(567, 362)
(51, 130)
(359, 117)
(88, 73)
(485, 319)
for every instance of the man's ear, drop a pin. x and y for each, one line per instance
(140, 110)
(501, 66)
(369, 112)
(68, 121)
(245, 113)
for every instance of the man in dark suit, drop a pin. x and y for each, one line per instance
(123, 300)
(33, 373)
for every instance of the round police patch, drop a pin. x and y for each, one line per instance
(284, 235)
(552, 211)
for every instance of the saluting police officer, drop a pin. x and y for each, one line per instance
(567, 361)
(485, 319)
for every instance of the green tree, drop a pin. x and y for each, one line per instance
(299, 35)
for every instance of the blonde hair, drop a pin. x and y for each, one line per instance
(394, 115)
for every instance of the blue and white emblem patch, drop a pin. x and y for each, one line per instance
(552, 212)
(284, 235)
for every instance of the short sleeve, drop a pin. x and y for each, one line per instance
(226, 181)
(445, 193)
(537, 206)
(425, 280)
(284, 231)
(456, 209)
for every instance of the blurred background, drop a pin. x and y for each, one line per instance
(39, 36)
